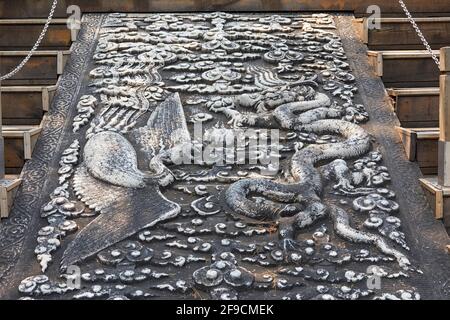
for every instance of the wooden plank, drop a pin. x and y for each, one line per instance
(37, 68)
(445, 59)
(34, 136)
(3, 203)
(435, 195)
(42, 68)
(427, 154)
(416, 108)
(8, 189)
(14, 154)
(418, 20)
(47, 95)
(25, 105)
(397, 33)
(446, 212)
(413, 91)
(27, 145)
(421, 145)
(439, 212)
(58, 36)
(32, 21)
(40, 8)
(405, 54)
(376, 61)
(19, 145)
(407, 68)
(361, 29)
(444, 119)
(439, 198)
(444, 110)
(427, 133)
(409, 139)
(19, 128)
(427, 149)
(38, 53)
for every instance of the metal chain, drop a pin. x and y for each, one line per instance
(36, 45)
(419, 33)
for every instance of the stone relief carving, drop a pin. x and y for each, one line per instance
(144, 226)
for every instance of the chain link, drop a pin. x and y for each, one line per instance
(419, 33)
(35, 47)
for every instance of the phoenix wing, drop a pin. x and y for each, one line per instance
(123, 213)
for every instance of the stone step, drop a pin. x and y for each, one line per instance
(25, 105)
(43, 68)
(405, 68)
(421, 145)
(398, 33)
(58, 36)
(416, 107)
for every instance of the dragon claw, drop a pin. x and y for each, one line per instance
(289, 245)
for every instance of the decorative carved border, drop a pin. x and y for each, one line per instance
(426, 236)
(30, 197)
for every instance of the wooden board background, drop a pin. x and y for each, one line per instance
(38, 70)
(427, 155)
(40, 8)
(14, 155)
(401, 36)
(418, 111)
(410, 73)
(22, 108)
(57, 37)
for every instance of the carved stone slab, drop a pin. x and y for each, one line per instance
(221, 156)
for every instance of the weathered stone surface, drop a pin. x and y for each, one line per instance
(320, 211)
